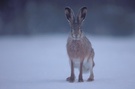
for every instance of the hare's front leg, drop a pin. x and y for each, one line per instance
(72, 76)
(80, 79)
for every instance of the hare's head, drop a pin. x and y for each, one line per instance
(76, 22)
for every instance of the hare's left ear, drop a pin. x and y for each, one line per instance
(82, 14)
(70, 15)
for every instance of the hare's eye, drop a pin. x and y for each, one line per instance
(72, 31)
(80, 31)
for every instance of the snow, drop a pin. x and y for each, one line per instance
(41, 62)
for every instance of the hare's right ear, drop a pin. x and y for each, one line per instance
(70, 15)
(82, 14)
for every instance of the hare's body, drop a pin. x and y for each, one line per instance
(79, 48)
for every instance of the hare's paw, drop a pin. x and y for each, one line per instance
(80, 80)
(71, 79)
(90, 79)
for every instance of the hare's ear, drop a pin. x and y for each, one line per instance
(82, 14)
(69, 14)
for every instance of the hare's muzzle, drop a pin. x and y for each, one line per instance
(76, 37)
(76, 34)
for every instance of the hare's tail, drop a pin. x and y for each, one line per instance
(87, 65)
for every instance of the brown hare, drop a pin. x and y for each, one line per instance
(79, 48)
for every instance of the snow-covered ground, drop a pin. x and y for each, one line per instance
(41, 62)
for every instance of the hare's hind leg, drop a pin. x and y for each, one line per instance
(72, 76)
(91, 77)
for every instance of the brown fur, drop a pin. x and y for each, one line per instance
(79, 47)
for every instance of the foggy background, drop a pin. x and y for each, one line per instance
(29, 17)
(33, 37)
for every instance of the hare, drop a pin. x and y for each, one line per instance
(79, 48)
